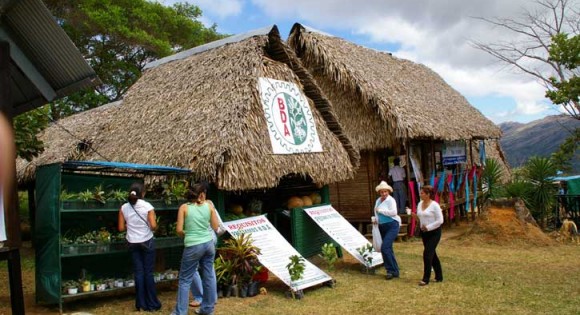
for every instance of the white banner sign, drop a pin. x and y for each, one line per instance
(454, 152)
(290, 121)
(276, 251)
(337, 227)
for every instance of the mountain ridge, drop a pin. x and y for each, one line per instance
(540, 137)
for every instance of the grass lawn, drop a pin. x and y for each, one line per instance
(479, 279)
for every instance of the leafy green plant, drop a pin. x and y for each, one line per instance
(118, 195)
(296, 267)
(538, 172)
(65, 195)
(491, 178)
(99, 194)
(174, 189)
(85, 196)
(223, 271)
(329, 255)
(367, 254)
(243, 256)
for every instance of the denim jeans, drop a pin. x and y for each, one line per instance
(196, 286)
(143, 256)
(389, 233)
(202, 256)
(400, 195)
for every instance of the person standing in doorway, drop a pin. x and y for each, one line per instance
(397, 174)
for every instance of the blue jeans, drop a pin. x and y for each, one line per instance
(143, 256)
(389, 233)
(400, 195)
(202, 256)
(196, 286)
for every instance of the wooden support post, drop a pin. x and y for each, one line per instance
(11, 252)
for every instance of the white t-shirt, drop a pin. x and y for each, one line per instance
(432, 217)
(137, 227)
(397, 173)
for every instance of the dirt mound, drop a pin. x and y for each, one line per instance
(506, 222)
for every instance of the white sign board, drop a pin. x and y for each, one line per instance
(291, 125)
(454, 152)
(340, 230)
(275, 251)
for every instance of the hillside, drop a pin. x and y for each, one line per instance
(539, 137)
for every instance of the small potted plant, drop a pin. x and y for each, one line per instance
(296, 268)
(366, 253)
(329, 255)
(71, 287)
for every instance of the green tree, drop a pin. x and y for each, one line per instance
(26, 127)
(540, 48)
(117, 38)
(565, 52)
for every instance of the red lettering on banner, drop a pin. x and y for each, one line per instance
(283, 116)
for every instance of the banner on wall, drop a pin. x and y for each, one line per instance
(275, 251)
(453, 152)
(290, 121)
(340, 230)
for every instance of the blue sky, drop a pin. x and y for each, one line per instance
(436, 33)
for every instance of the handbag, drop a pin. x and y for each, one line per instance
(377, 239)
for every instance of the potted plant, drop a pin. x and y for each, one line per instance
(329, 255)
(223, 271)
(116, 197)
(243, 256)
(71, 287)
(367, 254)
(296, 268)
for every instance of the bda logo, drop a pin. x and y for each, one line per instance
(290, 121)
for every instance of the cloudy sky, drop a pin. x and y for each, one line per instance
(437, 33)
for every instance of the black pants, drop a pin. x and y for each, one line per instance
(430, 259)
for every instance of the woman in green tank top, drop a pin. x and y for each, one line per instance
(193, 220)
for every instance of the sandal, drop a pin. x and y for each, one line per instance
(423, 283)
(194, 304)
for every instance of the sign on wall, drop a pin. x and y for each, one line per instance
(275, 251)
(291, 125)
(337, 227)
(453, 152)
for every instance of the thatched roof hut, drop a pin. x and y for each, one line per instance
(201, 110)
(382, 100)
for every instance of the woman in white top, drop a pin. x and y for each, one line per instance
(431, 218)
(138, 217)
(389, 224)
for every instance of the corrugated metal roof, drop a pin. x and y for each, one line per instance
(45, 64)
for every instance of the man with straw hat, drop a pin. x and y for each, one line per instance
(389, 223)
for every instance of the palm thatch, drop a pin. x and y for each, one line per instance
(201, 110)
(382, 101)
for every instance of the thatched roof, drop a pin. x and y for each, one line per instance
(382, 100)
(202, 111)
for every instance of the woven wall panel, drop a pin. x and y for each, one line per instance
(353, 198)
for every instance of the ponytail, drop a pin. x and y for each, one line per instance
(135, 192)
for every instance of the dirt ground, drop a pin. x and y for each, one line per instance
(498, 226)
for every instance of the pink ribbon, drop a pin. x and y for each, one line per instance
(413, 207)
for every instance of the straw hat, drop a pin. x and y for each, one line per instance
(384, 186)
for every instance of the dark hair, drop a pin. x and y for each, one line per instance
(428, 189)
(397, 161)
(194, 192)
(136, 192)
